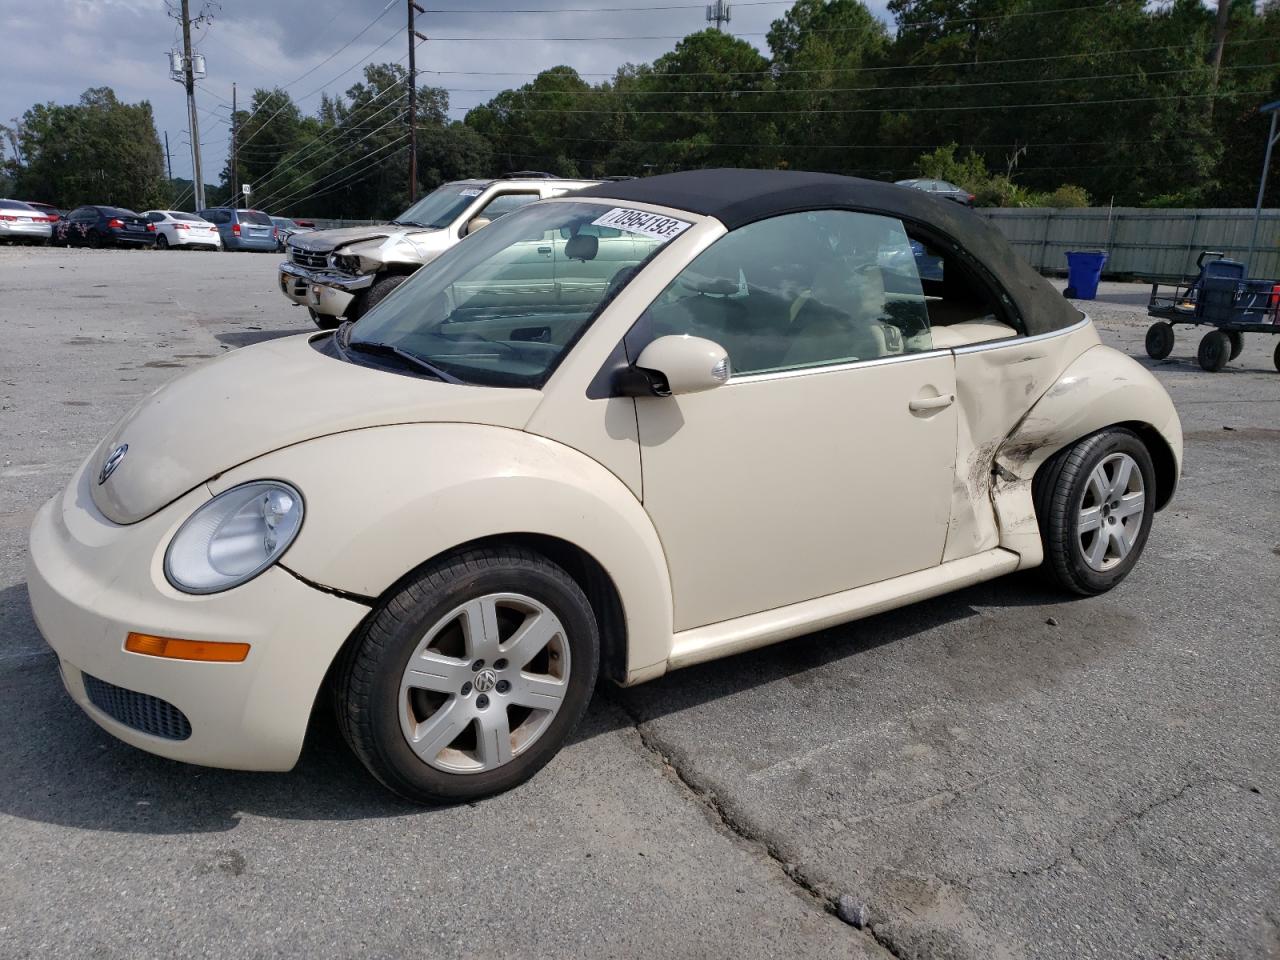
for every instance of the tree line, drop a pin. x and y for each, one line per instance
(1023, 102)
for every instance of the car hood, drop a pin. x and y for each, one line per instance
(324, 241)
(264, 397)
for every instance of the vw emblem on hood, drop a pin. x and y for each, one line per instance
(113, 460)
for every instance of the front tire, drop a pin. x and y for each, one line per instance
(470, 677)
(1094, 502)
(1160, 340)
(323, 320)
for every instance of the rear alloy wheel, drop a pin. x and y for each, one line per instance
(471, 677)
(1160, 340)
(1237, 343)
(95, 240)
(1214, 350)
(1094, 502)
(162, 242)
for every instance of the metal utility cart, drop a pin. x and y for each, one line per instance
(1221, 296)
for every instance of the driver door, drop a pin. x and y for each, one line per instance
(827, 460)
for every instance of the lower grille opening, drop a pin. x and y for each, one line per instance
(140, 711)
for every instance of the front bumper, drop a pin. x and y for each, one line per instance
(329, 294)
(91, 582)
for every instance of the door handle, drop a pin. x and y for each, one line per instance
(545, 251)
(931, 403)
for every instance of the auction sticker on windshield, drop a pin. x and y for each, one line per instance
(653, 225)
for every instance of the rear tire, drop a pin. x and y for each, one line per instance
(1160, 340)
(1094, 503)
(432, 660)
(162, 242)
(1237, 343)
(1214, 350)
(1275, 357)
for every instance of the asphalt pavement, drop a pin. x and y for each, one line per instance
(1003, 772)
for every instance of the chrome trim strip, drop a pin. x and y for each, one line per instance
(1018, 341)
(836, 367)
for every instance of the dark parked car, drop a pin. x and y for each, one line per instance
(940, 188)
(243, 229)
(95, 226)
(286, 228)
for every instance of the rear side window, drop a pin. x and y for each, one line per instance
(802, 290)
(256, 217)
(217, 216)
(501, 205)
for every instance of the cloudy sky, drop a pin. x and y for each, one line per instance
(54, 49)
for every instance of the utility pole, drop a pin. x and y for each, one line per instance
(235, 166)
(413, 96)
(189, 81)
(168, 160)
(1220, 37)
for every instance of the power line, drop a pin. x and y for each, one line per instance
(395, 119)
(938, 109)
(674, 6)
(324, 139)
(280, 201)
(343, 182)
(783, 91)
(860, 69)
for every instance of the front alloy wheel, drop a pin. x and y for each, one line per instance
(1094, 503)
(485, 683)
(471, 676)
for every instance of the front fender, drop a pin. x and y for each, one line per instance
(382, 501)
(1101, 388)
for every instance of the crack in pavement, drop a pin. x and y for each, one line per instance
(1126, 820)
(732, 823)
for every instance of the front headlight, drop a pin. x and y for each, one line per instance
(234, 537)
(345, 262)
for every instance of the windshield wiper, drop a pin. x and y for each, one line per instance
(390, 349)
(408, 223)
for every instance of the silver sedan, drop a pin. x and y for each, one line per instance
(21, 221)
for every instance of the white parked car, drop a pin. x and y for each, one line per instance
(22, 222)
(176, 228)
(517, 471)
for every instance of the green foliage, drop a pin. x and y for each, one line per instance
(1067, 195)
(969, 171)
(96, 151)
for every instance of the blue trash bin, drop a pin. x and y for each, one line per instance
(1084, 270)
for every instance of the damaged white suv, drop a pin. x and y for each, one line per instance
(342, 273)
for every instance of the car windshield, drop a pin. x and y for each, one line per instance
(117, 212)
(441, 206)
(503, 307)
(17, 205)
(189, 217)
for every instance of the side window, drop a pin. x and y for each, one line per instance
(155, 217)
(953, 294)
(82, 213)
(801, 290)
(504, 203)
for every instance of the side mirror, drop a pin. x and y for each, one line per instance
(674, 365)
(476, 223)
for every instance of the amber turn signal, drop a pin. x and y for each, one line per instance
(211, 651)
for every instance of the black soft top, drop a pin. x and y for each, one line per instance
(738, 197)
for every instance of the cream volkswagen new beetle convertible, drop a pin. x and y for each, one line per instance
(763, 418)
